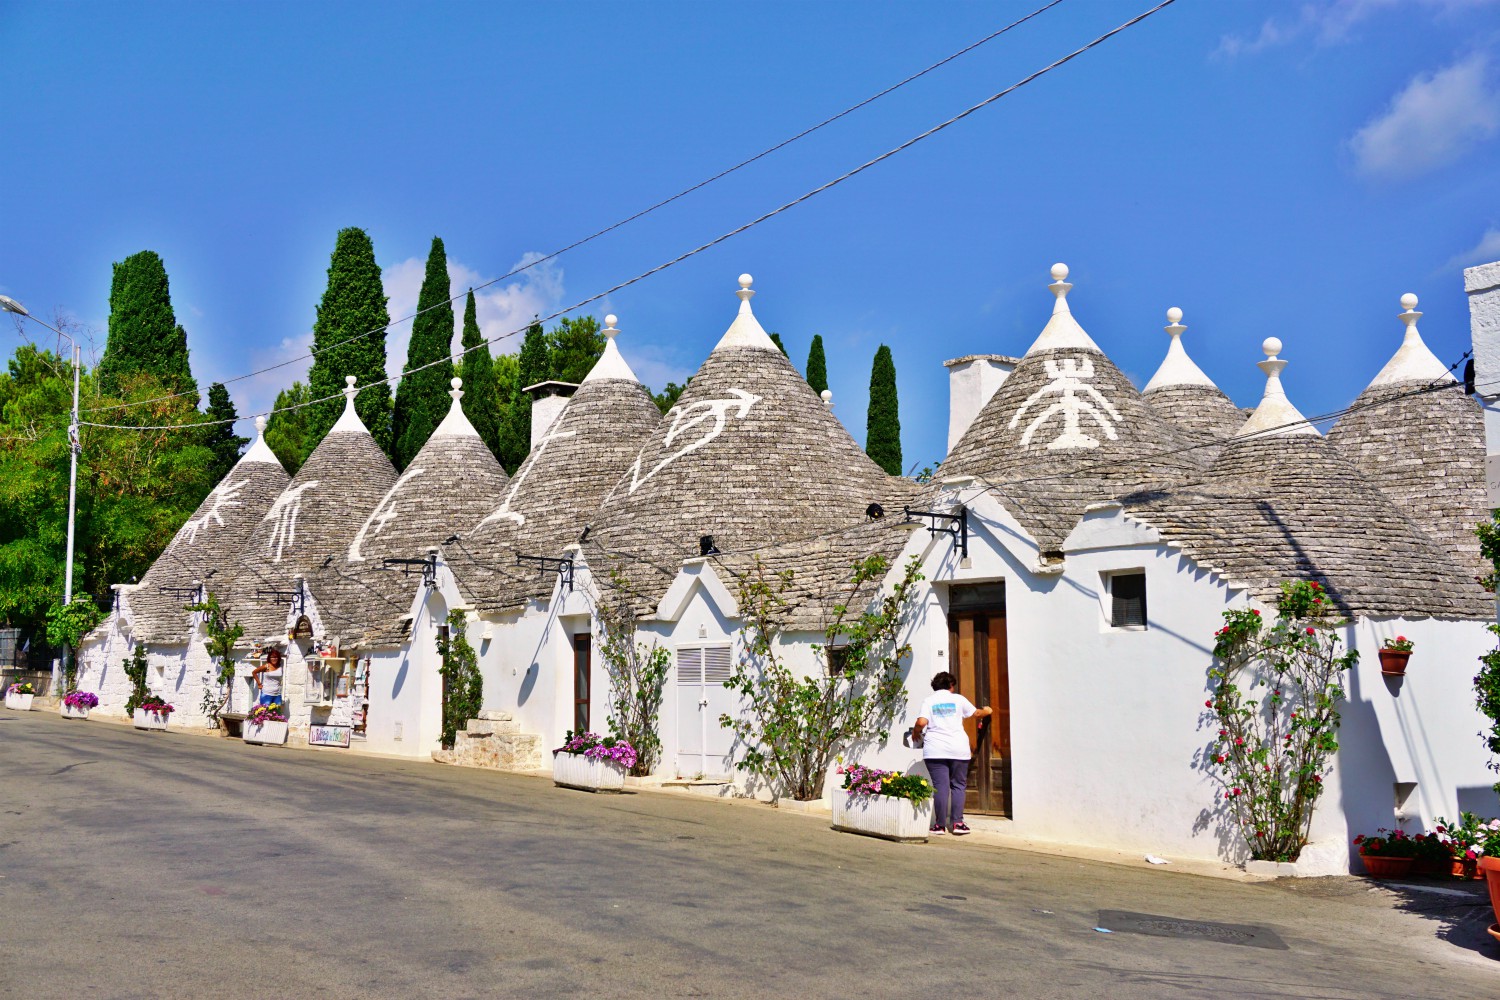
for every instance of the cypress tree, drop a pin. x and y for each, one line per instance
(220, 438)
(352, 309)
(573, 348)
(817, 365)
(776, 339)
(481, 400)
(422, 398)
(883, 424)
(288, 434)
(144, 336)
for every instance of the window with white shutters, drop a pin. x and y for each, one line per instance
(717, 664)
(689, 665)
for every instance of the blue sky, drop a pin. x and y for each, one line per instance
(1282, 169)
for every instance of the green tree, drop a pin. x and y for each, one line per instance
(144, 336)
(883, 424)
(422, 397)
(512, 413)
(776, 339)
(349, 339)
(573, 348)
(667, 398)
(289, 431)
(463, 684)
(222, 635)
(220, 438)
(532, 366)
(796, 724)
(481, 399)
(67, 624)
(817, 365)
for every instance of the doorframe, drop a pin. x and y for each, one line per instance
(583, 642)
(984, 610)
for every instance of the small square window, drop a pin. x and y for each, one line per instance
(1127, 600)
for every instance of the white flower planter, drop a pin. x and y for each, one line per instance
(589, 774)
(150, 720)
(19, 702)
(882, 816)
(72, 712)
(271, 734)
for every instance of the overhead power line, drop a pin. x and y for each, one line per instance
(623, 222)
(704, 246)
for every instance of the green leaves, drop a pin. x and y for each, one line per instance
(637, 676)
(1270, 755)
(463, 685)
(353, 310)
(883, 424)
(422, 396)
(797, 724)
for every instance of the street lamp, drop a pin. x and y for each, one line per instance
(10, 305)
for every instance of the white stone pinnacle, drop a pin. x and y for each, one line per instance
(827, 396)
(457, 390)
(1413, 360)
(611, 363)
(1177, 368)
(259, 451)
(746, 330)
(1275, 415)
(1062, 330)
(455, 422)
(348, 421)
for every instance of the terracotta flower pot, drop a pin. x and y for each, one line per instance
(1434, 867)
(1490, 868)
(1393, 661)
(1466, 868)
(1379, 867)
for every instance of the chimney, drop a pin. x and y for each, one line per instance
(972, 380)
(547, 402)
(1482, 284)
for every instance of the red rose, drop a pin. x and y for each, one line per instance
(1255, 613)
(1312, 631)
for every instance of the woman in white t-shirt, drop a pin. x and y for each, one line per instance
(945, 751)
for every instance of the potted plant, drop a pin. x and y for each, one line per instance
(76, 704)
(1393, 655)
(1471, 838)
(1434, 853)
(1389, 854)
(592, 763)
(152, 713)
(886, 804)
(18, 697)
(266, 724)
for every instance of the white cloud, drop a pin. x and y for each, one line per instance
(1430, 123)
(1483, 252)
(257, 393)
(501, 308)
(651, 364)
(1328, 23)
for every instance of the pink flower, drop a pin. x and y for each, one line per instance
(1255, 613)
(1312, 631)
(1239, 741)
(1209, 703)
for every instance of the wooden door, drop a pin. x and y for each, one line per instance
(583, 680)
(977, 648)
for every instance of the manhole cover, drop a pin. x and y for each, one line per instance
(1155, 925)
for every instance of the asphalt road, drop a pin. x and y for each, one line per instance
(166, 865)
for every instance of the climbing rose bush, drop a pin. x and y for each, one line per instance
(1274, 692)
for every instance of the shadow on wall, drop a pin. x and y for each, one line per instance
(1367, 778)
(1480, 800)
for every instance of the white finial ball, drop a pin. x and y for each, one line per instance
(826, 395)
(1059, 272)
(456, 382)
(746, 280)
(611, 319)
(1408, 301)
(260, 425)
(1174, 315)
(1272, 346)
(349, 380)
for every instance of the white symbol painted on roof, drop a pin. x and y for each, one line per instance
(384, 512)
(503, 512)
(684, 418)
(284, 512)
(226, 496)
(1074, 398)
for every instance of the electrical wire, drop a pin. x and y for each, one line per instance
(626, 221)
(702, 247)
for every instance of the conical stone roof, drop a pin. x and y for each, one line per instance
(749, 455)
(206, 544)
(453, 480)
(1416, 435)
(1186, 396)
(559, 487)
(1066, 429)
(1282, 503)
(313, 519)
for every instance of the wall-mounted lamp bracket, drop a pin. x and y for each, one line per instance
(409, 566)
(957, 525)
(548, 564)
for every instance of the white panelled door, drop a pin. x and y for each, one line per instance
(703, 746)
